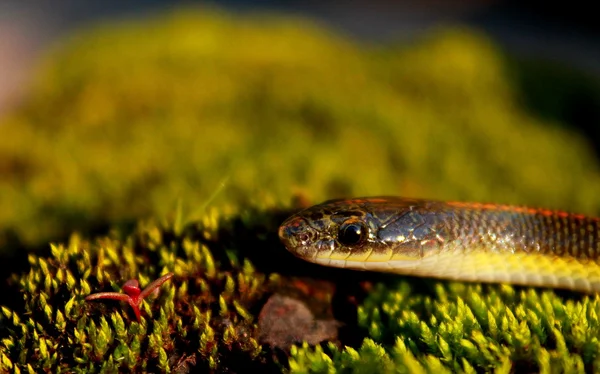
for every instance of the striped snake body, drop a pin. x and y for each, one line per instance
(450, 240)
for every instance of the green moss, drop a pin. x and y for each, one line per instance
(201, 315)
(460, 328)
(143, 122)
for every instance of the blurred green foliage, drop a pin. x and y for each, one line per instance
(127, 121)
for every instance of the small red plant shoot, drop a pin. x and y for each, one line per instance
(133, 294)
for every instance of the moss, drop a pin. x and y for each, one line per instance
(463, 328)
(202, 315)
(144, 122)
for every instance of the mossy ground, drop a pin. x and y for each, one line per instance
(142, 122)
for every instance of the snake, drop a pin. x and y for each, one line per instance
(460, 241)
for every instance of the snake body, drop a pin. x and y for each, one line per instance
(450, 240)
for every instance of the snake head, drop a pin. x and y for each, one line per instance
(335, 229)
(364, 232)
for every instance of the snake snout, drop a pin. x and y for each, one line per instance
(296, 235)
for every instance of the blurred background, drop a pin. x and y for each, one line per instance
(565, 32)
(111, 112)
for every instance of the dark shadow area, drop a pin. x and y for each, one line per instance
(575, 14)
(561, 94)
(13, 260)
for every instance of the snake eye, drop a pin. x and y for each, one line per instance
(352, 233)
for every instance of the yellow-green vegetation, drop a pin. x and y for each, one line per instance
(201, 319)
(467, 329)
(126, 122)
